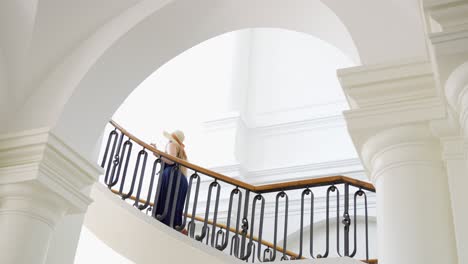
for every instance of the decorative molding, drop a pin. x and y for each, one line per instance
(227, 169)
(400, 146)
(453, 148)
(349, 167)
(233, 121)
(38, 156)
(378, 85)
(33, 201)
(450, 42)
(224, 121)
(308, 112)
(396, 114)
(300, 126)
(389, 96)
(306, 171)
(449, 14)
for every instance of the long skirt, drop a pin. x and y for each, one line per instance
(169, 177)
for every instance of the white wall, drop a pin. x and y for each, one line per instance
(181, 94)
(289, 72)
(93, 250)
(293, 103)
(3, 88)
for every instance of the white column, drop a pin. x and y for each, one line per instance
(447, 34)
(393, 106)
(41, 180)
(414, 211)
(28, 215)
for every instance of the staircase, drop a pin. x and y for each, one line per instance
(203, 237)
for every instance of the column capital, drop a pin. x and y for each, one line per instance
(448, 37)
(391, 95)
(41, 161)
(446, 15)
(392, 106)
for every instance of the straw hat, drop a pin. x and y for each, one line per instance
(176, 136)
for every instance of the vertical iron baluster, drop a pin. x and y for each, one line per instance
(175, 197)
(327, 223)
(117, 162)
(112, 134)
(270, 255)
(338, 222)
(158, 188)
(207, 211)
(168, 194)
(361, 193)
(245, 223)
(235, 245)
(253, 252)
(355, 224)
(128, 144)
(259, 197)
(150, 189)
(194, 208)
(187, 200)
(301, 235)
(236, 236)
(140, 184)
(148, 210)
(135, 173)
(311, 234)
(367, 226)
(346, 220)
(221, 234)
(252, 224)
(190, 226)
(207, 235)
(215, 216)
(228, 225)
(281, 194)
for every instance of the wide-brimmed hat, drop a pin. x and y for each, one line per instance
(176, 136)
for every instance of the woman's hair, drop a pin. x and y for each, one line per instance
(183, 156)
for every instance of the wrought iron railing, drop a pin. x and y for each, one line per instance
(242, 234)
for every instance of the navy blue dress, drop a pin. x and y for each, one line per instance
(178, 202)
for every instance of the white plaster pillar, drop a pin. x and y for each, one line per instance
(392, 107)
(41, 181)
(447, 33)
(28, 215)
(414, 212)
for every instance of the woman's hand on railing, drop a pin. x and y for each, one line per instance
(154, 146)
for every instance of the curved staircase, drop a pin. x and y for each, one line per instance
(130, 228)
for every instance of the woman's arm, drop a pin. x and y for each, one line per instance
(154, 153)
(171, 149)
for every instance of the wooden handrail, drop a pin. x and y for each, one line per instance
(184, 163)
(257, 189)
(231, 229)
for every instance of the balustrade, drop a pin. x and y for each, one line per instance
(242, 235)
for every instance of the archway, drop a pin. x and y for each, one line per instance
(151, 43)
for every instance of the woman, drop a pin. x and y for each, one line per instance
(170, 175)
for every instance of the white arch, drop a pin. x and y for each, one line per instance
(154, 37)
(91, 83)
